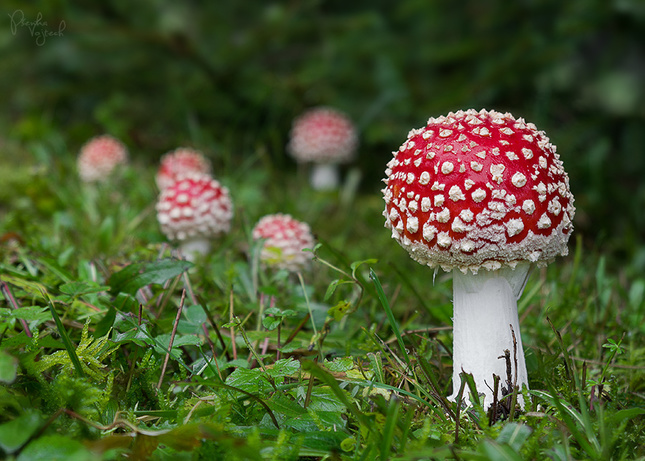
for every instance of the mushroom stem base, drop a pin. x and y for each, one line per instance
(194, 247)
(485, 310)
(325, 176)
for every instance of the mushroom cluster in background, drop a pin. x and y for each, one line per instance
(99, 157)
(284, 241)
(193, 210)
(484, 195)
(179, 162)
(325, 138)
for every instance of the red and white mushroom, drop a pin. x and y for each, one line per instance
(324, 137)
(285, 239)
(193, 210)
(99, 157)
(180, 162)
(483, 195)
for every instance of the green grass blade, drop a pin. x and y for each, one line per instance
(390, 315)
(69, 347)
(571, 418)
(391, 419)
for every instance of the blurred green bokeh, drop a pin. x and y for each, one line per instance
(228, 77)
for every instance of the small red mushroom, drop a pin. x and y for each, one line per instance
(99, 157)
(193, 210)
(179, 162)
(285, 238)
(324, 137)
(483, 195)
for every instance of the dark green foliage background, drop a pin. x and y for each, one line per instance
(228, 77)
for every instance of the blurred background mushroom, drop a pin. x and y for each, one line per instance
(179, 162)
(325, 138)
(99, 157)
(192, 211)
(284, 241)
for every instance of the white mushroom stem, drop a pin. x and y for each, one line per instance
(324, 176)
(191, 248)
(485, 308)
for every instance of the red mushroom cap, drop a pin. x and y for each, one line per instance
(323, 135)
(285, 239)
(99, 157)
(195, 205)
(179, 162)
(478, 189)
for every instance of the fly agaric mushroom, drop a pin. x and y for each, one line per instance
(194, 209)
(99, 157)
(324, 137)
(483, 195)
(285, 239)
(179, 162)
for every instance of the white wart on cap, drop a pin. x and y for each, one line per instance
(478, 189)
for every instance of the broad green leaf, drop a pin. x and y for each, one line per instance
(333, 285)
(137, 275)
(271, 323)
(324, 376)
(125, 302)
(284, 367)
(237, 363)
(248, 380)
(8, 368)
(514, 434)
(16, 432)
(75, 288)
(284, 405)
(139, 336)
(183, 438)
(340, 364)
(323, 400)
(191, 320)
(28, 313)
(163, 341)
(324, 440)
(339, 310)
(628, 413)
(497, 452)
(273, 311)
(355, 265)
